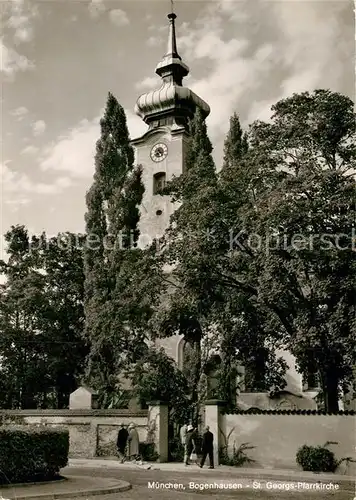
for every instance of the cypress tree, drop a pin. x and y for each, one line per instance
(199, 168)
(184, 310)
(235, 145)
(111, 256)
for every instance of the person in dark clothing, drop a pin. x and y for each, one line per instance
(122, 442)
(196, 450)
(207, 448)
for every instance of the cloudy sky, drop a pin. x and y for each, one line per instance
(60, 58)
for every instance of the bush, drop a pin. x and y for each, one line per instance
(32, 453)
(176, 450)
(238, 457)
(316, 458)
(156, 377)
(148, 453)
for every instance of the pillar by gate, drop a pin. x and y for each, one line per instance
(214, 419)
(158, 428)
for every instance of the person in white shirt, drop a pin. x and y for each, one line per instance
(183, 433)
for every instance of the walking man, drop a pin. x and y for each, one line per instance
(196, 450)
(122, 442)
(207, 448)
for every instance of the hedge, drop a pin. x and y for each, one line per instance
(30, 454)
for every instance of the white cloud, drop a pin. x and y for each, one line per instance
(135, 125)
(19, 112)
(291, 47)
(16, 19)
(229, 75)
(311, 45)
(261, 110)
(163, 28)
(154, 41)
(312, 37)
(20, 16)
(18, 202)
(17, 184)
(119, 17)
(23, 32)
(228, 7)
(96, 7)
(228, 72)
(150, 82)
(38, 127)
(74, 151)
(12, 61)
(30, 150)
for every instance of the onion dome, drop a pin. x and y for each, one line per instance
(171, 103)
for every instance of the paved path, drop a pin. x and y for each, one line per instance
(168, 482)
(94, 479)
(69, 489)
(250, 472)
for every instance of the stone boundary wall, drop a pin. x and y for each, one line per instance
(277, 437)
(258, 411)
(91, 432)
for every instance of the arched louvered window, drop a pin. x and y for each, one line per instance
(159, 182)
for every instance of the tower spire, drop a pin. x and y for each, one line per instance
(172, 68)
(172, 103)
(172, 40)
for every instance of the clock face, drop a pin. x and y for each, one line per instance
(159, 152)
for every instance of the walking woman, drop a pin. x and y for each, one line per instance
(133, 440)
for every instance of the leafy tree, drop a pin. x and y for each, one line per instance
(243, 273)
(295, 182)
(199, 304)
(62, 319)
(41, 314)
(311, 210)
(157, 378)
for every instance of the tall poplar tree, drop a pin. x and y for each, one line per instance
(114, 309)
(235, 145)
(183, 308)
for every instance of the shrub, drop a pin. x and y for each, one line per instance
(317, 458)
(32, 453)
(238, 457)
(176, 450)
(156, 377)
(148, 453)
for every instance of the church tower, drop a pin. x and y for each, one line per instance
(161, 150)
